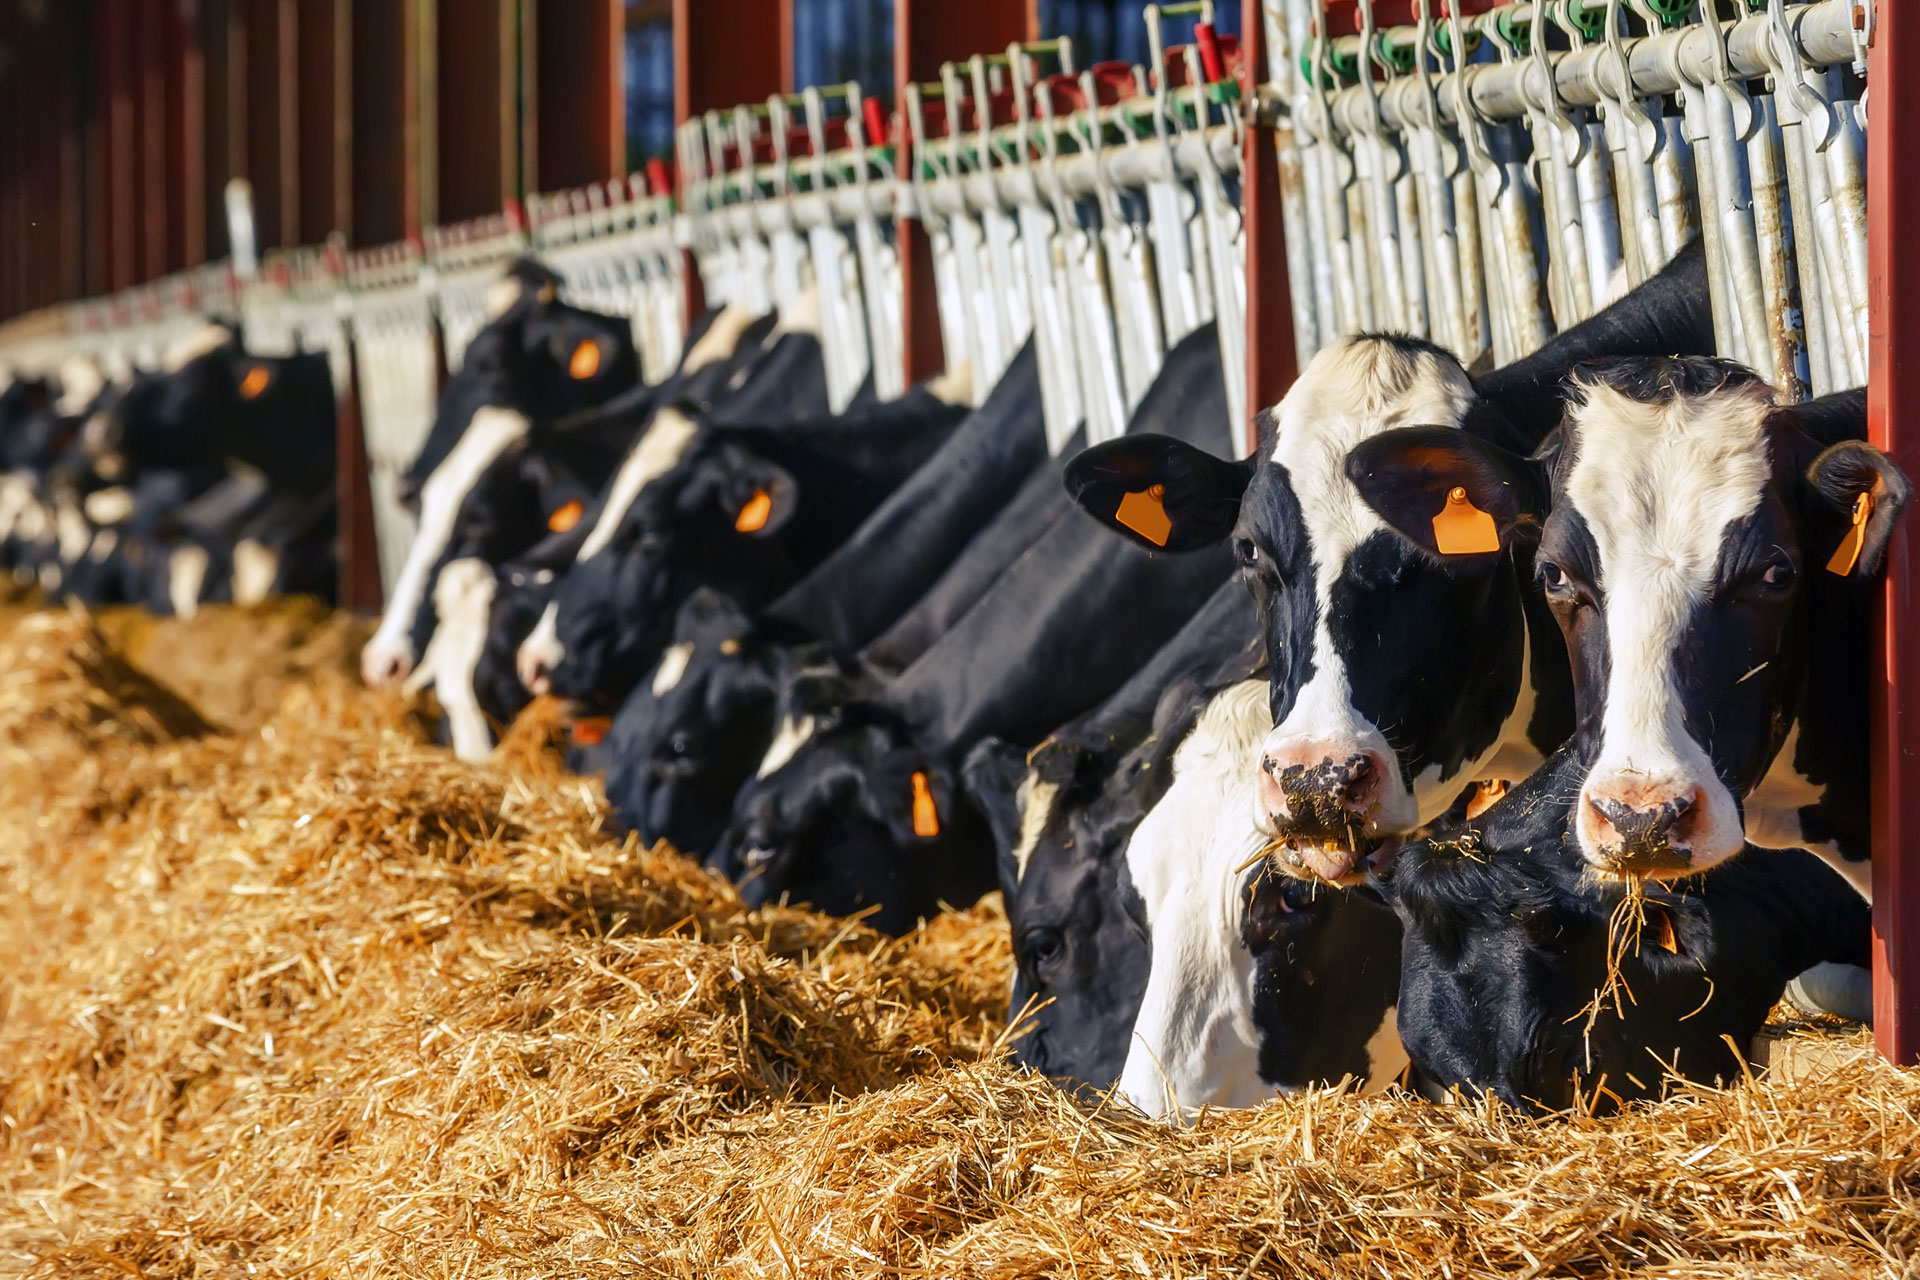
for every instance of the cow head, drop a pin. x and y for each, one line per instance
(1688, 529)
(175, 417)
(1060, 819)
(692, 733)
(687, 508)
(1396, 674)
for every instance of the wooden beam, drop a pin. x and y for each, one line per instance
(272, 87)
(927, 33)
(116, 37)
(186, 146)
(1271, 356)
(324, 119)
(726, 55)
(477, 108)
(581, 130)
(385, 91)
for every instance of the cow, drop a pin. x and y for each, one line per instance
(1710, 557)
(686, 738)
(749, 510)
(1524, 976)
(1061, 816)
(858, 795)
(1388, 697)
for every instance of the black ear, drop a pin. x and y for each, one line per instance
(1160, 492)
(992, 775)
(1840, 478)
(1411, 475)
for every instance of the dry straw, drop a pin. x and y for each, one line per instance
(311, 999)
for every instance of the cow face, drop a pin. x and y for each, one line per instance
(1060, 824)
(174, 418)
(1693, 528)
(703, 511)
(1389, 690)
(692, 733)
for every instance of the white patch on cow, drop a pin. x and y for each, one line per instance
(1658, 486)
(50, 576)
(104, 543)
(1773, 816)
(71, 530)
(190, 347)
(1351, 391)
(389, 655)
(501, 295)
(802, 315)
(1386, 1056)
(786, 744)
(17, 499)
(1035, 800)
(673, 666)
(953, 385)
(661, 445)
(721, 339)
(541, 577)
(81, 383)
(541, 651)
(186, 574)
(255, 567)
(463, 599)
(1194, 1041)
(109, 506)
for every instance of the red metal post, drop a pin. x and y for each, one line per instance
(1271, 358)
(1893, 423)
(582, 132)
(927, 33)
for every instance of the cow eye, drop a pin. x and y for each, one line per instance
(1246, 551)
(1555, 580)
(1298, 895)
(1779, 576)
(680, 745)
(1042, 946)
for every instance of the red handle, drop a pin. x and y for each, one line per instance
(877, 135)
(1209, 52)
(659, 179)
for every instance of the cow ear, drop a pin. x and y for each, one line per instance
(992, 776)
(1868, 491)
(1160, 492)
(760, 497)
(1448, 493)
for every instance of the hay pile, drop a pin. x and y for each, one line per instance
(313, 999)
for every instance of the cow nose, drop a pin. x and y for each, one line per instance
(1645, 837)
(533, 672)
(1323, 795)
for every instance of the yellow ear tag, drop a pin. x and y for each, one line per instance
(585, 362)
(926, 820)
(255, 382)
(753, 516)
(1144, 514)
(565, 517)
(1462, 529)
(1849, 553)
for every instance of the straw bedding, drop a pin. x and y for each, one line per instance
(289, 992)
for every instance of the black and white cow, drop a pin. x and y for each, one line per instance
(1388, 698)
(1710, 557)
(1061, 816)
(1504, 976)
(1065, 625)
(687, 737)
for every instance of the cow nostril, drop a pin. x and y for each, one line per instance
(1268, 764)
(1358, 767)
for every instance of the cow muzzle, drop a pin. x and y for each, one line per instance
(1634, 824)
(1324, 810)
(384, 663)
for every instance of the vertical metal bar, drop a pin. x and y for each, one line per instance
(1274, 294)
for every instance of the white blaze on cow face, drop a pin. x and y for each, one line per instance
(663, 444)
(1350, 391)
(1659, 486)
(190, 347)
(672, 669)
(81, 383)
(721, 339)
(72, 530)
(109, 506)
(501, 295)
(540, 652)
(255, 567)
(1035, 800)
(1194, 1041)
(186, 574)
(953, 385)
(389, 655)
(800, 316)
(463, 600)
(794, 734)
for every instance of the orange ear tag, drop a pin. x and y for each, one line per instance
(1462, 529)
(1849, 553)
(926, 820)
(1144, 514)
(565, 517)
(1485, 796)
(1668, 940)
(591, 731)
(753, 516)
(585, 362)
(255, 382)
